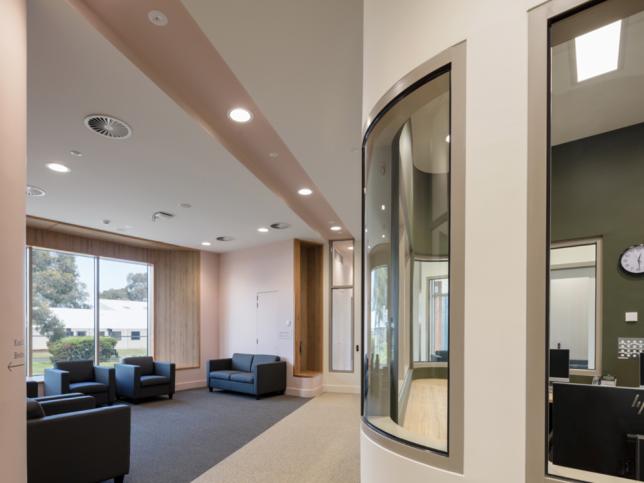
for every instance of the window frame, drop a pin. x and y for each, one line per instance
(597, 371)
(96, 298)
(453, 59)
(332, 287)
(540, 19)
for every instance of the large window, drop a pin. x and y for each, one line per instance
(406, 263)
(341, 336)
(595, 252)
(72, 297)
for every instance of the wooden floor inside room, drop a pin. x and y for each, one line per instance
(317, 443)
(426, 413)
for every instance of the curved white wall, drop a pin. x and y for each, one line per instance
(399, 36)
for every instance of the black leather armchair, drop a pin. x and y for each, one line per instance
(84, 377)
(70, 440)
(140, 377)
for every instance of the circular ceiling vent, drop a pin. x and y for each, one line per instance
(280, 226)
(225, 238)
(35, 192)
(108, 126)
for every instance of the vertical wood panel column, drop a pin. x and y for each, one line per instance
(13, 156)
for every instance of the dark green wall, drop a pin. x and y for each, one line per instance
(598, 190)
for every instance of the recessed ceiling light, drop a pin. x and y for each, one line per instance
(280, 226)
(76, 154)
(597, 51)
(263, 229)
(124, 228)
(58, 168)
(35, 192)
(336, 228)
(206, 244)
(383, 207)
(225, 238)
(384, 236)
(239, 114)
(273, 155)
(185, 205)
(305, 191)
(351, 248)
(158, 18)
(447, 138)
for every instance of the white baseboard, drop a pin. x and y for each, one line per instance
(342, 388)
(304, 392)
(184, 386)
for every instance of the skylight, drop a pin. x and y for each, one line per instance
(597, 51)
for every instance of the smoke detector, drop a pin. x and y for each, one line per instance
(108, 126)
(35, 192)
(161, 215)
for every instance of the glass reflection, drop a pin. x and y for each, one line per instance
(596, 373)
(406, 263)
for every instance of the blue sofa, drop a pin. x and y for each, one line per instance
(255, 374)
(140, 377)
(70, 440)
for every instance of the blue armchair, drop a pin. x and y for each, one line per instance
(84, 377)
(70, 440)
(140, 377)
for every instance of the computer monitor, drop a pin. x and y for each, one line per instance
(591, 427)
(559, 365)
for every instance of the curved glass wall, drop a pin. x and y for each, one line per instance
(406, 313)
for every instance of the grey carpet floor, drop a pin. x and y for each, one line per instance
(176, 441)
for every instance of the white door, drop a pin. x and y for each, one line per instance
(268, 323)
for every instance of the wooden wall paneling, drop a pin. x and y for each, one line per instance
(297, 290)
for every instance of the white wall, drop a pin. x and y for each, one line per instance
(399, 36)
(13, 156)
(209, 324)
(244, 273)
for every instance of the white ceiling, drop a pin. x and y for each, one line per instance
(604, 103)
(74, 71)
(301, 61)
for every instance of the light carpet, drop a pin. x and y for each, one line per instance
(317, 443)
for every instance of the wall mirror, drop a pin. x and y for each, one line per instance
(594, 400)
(406, 266)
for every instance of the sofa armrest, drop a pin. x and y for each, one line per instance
(107, 376)
(32, 389)
(56, 382)
(217, 365)
(96, 445)
(128, 379)
(270, 377)
(166, 369)
(67, 405)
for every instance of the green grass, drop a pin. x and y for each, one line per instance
(41, 360)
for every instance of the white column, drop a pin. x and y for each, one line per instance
(13, 139)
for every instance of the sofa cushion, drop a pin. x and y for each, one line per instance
(224, 375)
(78, 370)
(247, 377)
(147, 381)
(34, 410)
(144, 362)
(242, 362)
(88, 387)
(263, 359)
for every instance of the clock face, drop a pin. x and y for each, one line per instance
(632, 260)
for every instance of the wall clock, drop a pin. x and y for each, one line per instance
(632, 260)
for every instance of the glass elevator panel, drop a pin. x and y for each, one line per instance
(406, 266)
